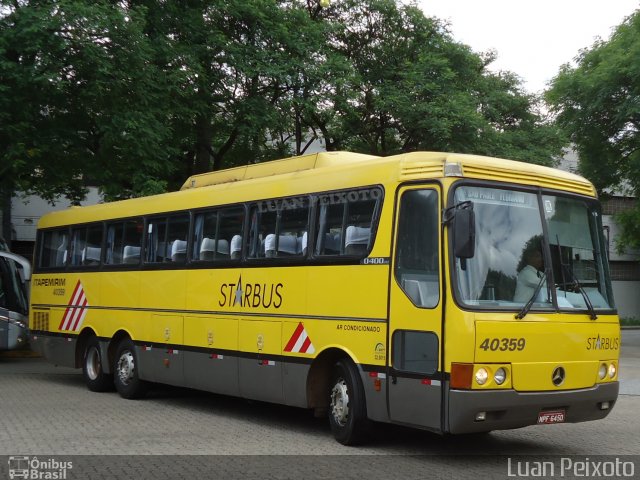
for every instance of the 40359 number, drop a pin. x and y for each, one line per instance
(503, 344)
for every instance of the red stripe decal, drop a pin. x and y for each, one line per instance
(305, 345)
(294, 337)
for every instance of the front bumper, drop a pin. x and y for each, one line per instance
(56, 348)
(511, 409)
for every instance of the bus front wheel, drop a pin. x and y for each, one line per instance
(125, 372)
(92, 371)
(347, 412)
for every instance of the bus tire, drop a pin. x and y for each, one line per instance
(92, 371)
(347, 410)
(125, 372)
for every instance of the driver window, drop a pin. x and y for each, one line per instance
(417, 258)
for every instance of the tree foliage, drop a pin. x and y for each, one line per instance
(80, 100)
(134, 95)
(598, 103)
(414, 87)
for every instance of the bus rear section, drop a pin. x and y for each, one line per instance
(532, 336)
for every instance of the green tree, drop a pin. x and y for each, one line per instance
(80, 100)
(235, 67)
(515, 126)
(413, 87)
(135, 95)
(598, 103)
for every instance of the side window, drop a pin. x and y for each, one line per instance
(290, 237)
(205, 226)
(279, 228)
(123, 242)
(156, 246)
(345, 222)
(86, 246)
(416, 266)
(177, 235)
(415, 351)
(12, 293)
(230, 233)
(263, 223)
(55, 249)
(167, 239)
(218, 235)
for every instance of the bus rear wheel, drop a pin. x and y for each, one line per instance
(347, 412)
(92, 371)
(125, 372)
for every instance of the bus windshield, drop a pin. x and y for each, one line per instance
(516, 264)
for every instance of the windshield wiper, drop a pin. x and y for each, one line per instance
(578, 285)
(527, 306)
(566, 268)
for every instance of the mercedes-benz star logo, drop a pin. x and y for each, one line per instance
(558, 376)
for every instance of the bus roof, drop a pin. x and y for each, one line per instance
(276, 167)
(417, 164)
(322, 172)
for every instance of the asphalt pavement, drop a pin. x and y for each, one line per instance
(47, 414)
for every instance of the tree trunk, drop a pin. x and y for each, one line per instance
(5, 201)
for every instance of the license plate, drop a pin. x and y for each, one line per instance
(555, 416)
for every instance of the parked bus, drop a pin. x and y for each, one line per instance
(15, 272)
(447, 292)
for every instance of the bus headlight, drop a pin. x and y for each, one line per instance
(481, 376)
(500, 376)
(602, 371)
(612, 370)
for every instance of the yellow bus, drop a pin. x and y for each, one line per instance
(453, 293)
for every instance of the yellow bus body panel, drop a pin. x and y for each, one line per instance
(579, 347)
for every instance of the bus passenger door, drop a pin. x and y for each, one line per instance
(415, 323)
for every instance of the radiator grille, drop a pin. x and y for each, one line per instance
(40, 321)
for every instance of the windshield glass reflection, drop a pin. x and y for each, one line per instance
(508, 236)
(515, 266)
(578, 253)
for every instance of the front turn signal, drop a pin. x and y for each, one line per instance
(461, 375)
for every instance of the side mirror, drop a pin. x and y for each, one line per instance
(464, 232)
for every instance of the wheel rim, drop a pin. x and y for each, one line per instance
(340, 402)
(94, 365)
(126, 367)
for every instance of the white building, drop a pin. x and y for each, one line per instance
(27, 210)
